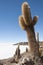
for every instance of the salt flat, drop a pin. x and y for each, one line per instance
(8, 50)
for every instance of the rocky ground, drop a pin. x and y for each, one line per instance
(25, 59)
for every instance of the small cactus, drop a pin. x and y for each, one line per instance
(27, 24)
(18, 52)
(26, 49)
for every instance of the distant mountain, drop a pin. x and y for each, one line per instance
(26, 43)
(21, 43)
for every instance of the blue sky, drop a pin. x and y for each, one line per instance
(10, 10)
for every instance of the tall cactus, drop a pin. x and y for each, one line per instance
(27, 24)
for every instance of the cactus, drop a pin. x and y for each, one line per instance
(18, 52)
(27, 23)
(26, 49)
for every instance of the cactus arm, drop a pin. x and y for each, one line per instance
(21, 23)
(34, 20)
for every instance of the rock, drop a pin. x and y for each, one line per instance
(41, 58)
(1, 64)
(26, 61)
